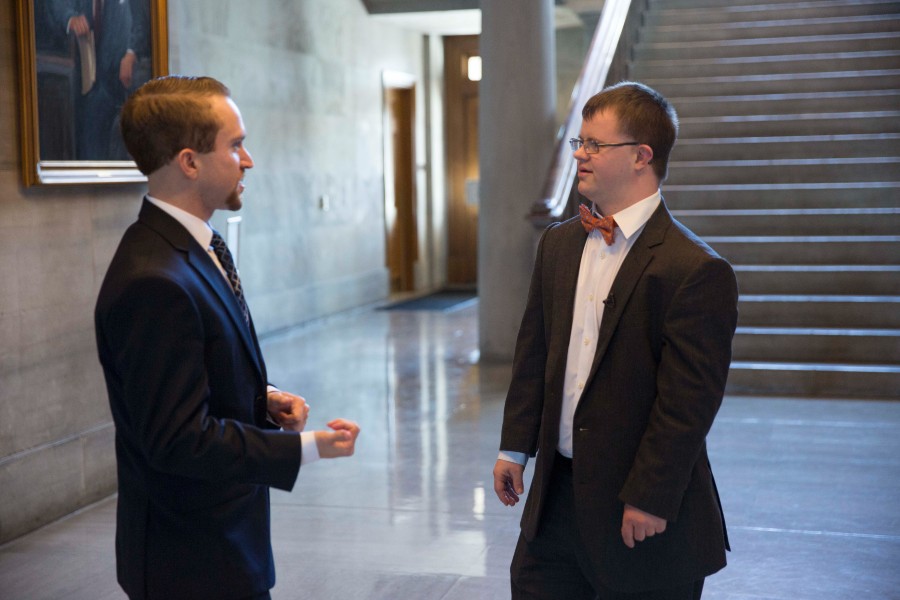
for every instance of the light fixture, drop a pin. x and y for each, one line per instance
(473, 68)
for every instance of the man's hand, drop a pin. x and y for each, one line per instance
(337, 443)
(638, 525)
(287, 410)
(126, 69)
(78, 25)
(508, 481)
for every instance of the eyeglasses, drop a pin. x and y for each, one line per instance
(593, 147)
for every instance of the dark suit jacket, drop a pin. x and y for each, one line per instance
(187, 389)
(640, 428)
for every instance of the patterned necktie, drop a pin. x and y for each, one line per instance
(227, 262)
(606, 225)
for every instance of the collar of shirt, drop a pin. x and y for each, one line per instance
(633, 218)
(197, 227)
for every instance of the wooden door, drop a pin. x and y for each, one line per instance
(461, 108)
(400, 215)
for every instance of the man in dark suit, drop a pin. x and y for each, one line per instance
(200, 433)
(619, 370)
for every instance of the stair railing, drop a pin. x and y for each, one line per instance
(607, 61)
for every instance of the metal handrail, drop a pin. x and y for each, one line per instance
(606, 59)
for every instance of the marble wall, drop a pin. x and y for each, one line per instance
(307, 77)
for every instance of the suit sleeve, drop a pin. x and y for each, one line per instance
(61, 11)
(139, 37)
(154, 337)
(696, 353)
(525, 398)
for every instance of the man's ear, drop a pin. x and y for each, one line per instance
(644, 156)
(186, 160)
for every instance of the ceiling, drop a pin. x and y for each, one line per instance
(407, 6)
(460, 17)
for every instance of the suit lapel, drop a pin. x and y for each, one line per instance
(640, 255)
(198, 260)
(566, 276)
(565, 283)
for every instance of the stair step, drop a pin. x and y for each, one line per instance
(789, 103)
(855, 346)
(845, 123)
(771, 28)
(796, 221)
(786, 146)
(743, 85)
(821, 380)
(790, 170)
(659, 15)
(869, 312)
(788, 164)
(819, 279)
(822, 250)
(871, 194)
(800, 44)
(766, 65)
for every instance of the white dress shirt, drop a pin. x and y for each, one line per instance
(599, 266)
(201, 231)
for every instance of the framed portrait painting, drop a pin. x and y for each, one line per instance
(78, 62)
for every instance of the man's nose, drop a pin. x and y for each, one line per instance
(246, 159)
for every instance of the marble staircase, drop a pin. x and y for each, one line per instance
(788, 164)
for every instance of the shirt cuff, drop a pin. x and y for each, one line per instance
(514, 457)
(309, 450)
(269, 389)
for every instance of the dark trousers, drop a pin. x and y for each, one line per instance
(555, 564)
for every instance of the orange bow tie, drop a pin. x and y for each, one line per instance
(606, 225)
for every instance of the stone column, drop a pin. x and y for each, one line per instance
(517, 99)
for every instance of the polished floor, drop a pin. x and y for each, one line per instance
(811, 488)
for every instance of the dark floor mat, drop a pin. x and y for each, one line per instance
(443, 301)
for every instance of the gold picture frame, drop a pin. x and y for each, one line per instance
(67, 85)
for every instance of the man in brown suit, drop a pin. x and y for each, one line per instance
(619, 370)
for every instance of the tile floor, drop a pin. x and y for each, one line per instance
(811, 488)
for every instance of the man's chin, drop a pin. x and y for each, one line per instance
(235, 202)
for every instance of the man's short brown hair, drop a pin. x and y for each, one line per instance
(168, 114)
(643, 114)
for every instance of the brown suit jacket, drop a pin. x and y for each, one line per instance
(640, 428)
